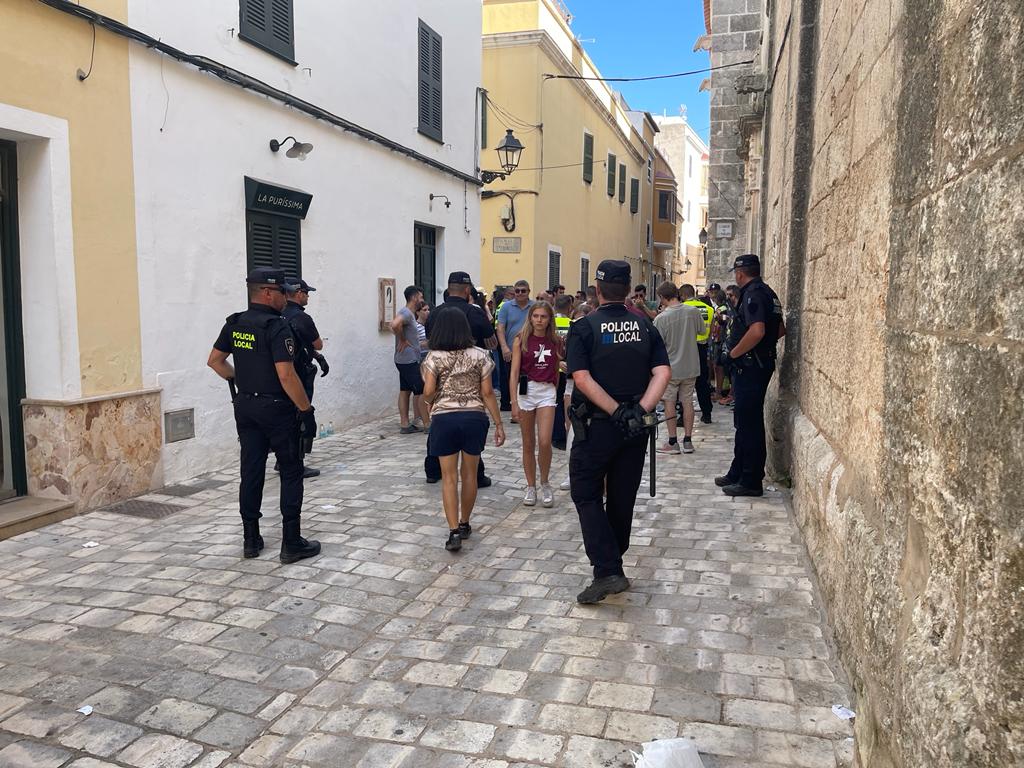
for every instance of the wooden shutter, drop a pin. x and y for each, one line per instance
(634, 195)
(611, 174)
(622, 183)
(269, 24)
(588, 158)
(274, 242)
(584, 273)
(554, 268)
(430, 72)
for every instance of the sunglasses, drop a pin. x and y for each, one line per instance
(522, 290)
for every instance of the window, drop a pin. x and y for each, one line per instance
(689, 166)
(611, 174)
(554, 268)
(424, 265)
(648, 234)
(584, 272)
(665, 206)
(634, 195)
(650, 169)
(268, 24)
(622, 183)
(588, 158)
(273, 241)
(429, 82)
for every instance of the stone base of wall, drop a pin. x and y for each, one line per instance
(95, 451)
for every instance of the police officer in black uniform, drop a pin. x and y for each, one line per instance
(272, 411)
(620, 369)
(756, 329)
(308, 345)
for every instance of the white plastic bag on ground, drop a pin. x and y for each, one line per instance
(668, 753)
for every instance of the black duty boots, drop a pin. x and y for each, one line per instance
(293, 546)
(252, 542)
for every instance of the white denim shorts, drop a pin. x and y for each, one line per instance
(539, 394)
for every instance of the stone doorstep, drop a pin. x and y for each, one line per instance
(26, 513)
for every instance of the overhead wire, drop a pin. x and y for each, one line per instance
(548, 76)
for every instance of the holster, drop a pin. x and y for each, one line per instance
(579, 417)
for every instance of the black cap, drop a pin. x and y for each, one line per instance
(301, 285)
(714, 287)
(266, 276)
(746, 260)
(460, 278)
(612, 271)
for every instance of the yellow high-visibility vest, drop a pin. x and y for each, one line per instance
(708, 314)
(562, 325)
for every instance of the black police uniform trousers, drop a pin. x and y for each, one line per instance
(559, 433)
(265, 424)
(749, 386)
(606, 454)
(703, 386)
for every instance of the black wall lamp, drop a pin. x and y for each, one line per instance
(297, 149)
(509, 151)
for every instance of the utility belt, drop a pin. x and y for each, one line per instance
(755, 360)
(265, 396)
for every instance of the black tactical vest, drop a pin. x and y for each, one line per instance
(249, 333)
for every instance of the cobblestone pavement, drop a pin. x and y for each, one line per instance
(387, 651)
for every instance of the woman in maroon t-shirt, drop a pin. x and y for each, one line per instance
(533, 381)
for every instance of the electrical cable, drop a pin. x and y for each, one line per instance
(250, 83)
(727, 200)
(83, 76)
(508, 117)
(651, 77)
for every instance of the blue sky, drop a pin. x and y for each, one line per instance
(637, 38)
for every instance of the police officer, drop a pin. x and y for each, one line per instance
(703, 387)
(308, 345)
(272, 411)
(755, 331)
(620, 369)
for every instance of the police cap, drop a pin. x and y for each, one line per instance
(714, 287)
(266, 276)
(613, 271)
(746, 260)
(301, 285)
(460, 278)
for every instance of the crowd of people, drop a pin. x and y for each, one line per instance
(598, 370)
(520, 362)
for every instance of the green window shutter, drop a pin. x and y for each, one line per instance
(588, 158)
(483, 119)
(622, 183)
(611, 174)
(634, 195)
(429, 105)
(269, 24)
(274, 242)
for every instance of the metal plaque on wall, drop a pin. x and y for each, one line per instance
(507, 244)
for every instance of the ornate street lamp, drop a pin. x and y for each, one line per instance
(509, 151)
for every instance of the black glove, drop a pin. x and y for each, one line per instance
(307, 429)
(322, 362)
(630, 418)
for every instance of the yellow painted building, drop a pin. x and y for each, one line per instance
(666, 217)
(77, 425)
(582, 192)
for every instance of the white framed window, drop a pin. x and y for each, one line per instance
(584, 271)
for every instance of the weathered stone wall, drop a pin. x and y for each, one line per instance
(735, 37)
(894, 216)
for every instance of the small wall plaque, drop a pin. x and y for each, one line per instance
(179, 425)
(507, 245)
(386, 302)
(723, 230)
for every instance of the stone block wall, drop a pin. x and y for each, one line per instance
(735, 37)
(94, 451)
(894, 217)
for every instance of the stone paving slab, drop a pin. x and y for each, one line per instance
(387, 651)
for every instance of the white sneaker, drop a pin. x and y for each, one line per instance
(531, 496)
(547, 496)
(565, 485)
